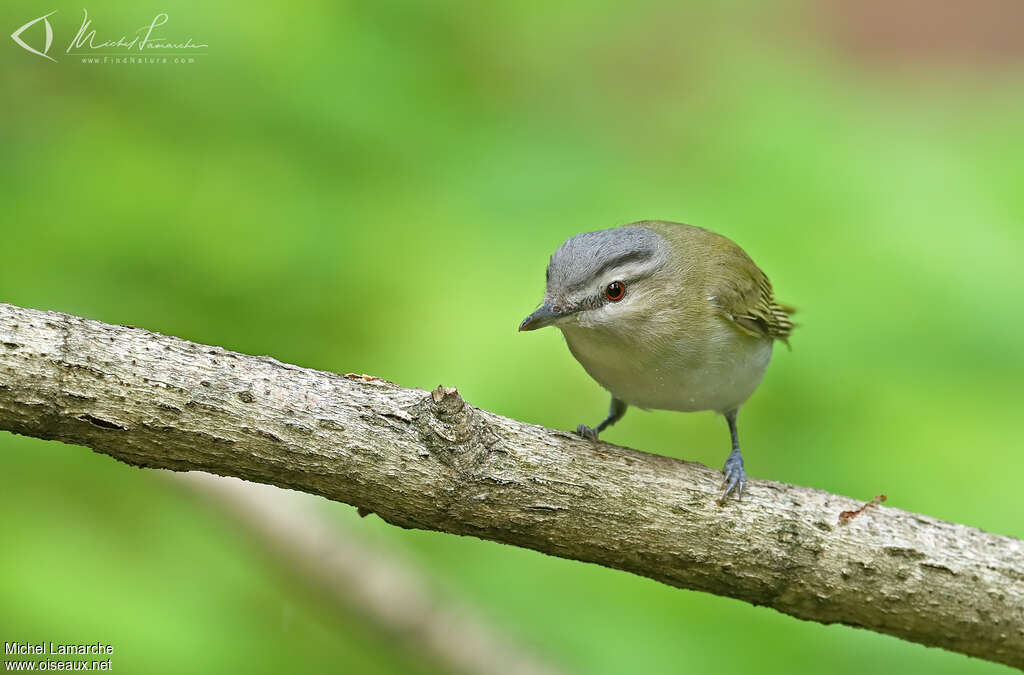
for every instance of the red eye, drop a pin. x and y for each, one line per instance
(615, 291)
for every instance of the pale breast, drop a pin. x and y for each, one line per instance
(719, 373)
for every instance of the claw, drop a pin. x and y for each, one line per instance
(586, 432)
(735, 477)
(732, 483)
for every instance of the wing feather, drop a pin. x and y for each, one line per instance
(744, 295)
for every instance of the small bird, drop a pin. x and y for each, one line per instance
(665, 316)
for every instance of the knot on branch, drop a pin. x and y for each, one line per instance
(447, 400)
(455, 417)
(450, 431)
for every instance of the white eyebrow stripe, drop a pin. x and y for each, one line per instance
(630, 271)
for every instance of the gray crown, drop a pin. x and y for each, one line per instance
(586, 256)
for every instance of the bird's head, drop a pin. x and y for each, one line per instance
(601, 279)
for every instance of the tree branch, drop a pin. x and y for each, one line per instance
(432, 461)
(393, 594)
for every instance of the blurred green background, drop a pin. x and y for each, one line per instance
(377, 186)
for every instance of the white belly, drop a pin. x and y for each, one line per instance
(718, 374)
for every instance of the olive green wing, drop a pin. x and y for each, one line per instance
(744, 295)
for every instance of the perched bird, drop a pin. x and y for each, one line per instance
(665, 316)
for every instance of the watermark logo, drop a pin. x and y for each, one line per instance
(16, 36)
(146, 45)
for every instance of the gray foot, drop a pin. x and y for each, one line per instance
(735, 476)
(587, 432)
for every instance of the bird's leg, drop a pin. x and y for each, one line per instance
(735, 475)
(615, 413)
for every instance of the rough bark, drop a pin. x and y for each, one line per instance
(432, 461)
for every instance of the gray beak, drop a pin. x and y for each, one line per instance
(545, 316)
